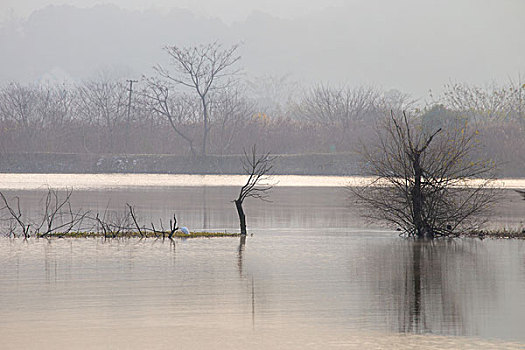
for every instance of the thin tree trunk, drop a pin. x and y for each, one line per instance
(242, 217)
(205, 117)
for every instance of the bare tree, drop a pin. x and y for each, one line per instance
(37, 116)
(338, 107)
(491, 103)
(202, 69)
(517, 87)
(338, 111)
(231, 112)
(181, 110)
(274, 94)
(22, 106)
(257, 167)
(499, 110)
(395, 100)
(422, 181)
(103, 102)
(58, 110)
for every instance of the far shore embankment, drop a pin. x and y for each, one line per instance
(75, 163)
(320, 164)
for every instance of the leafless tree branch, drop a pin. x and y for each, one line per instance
(422, 180)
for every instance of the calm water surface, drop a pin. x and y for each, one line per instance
(313, 275)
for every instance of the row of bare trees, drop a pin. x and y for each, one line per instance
(93, 118)
(198, 104)
(493, 103)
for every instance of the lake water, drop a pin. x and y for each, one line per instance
(314, 275)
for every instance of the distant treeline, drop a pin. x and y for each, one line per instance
(103, 116)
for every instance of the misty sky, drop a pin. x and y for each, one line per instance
(411, 45)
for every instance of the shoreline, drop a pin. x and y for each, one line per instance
(89, 181)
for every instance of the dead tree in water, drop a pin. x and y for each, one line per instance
(257, 167)
(423, 181)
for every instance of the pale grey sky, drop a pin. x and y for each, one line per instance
(227, 10)
(411, 45)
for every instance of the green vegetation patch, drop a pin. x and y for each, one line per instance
(504, 233)
(137, 234)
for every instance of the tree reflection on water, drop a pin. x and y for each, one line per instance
(432, 287)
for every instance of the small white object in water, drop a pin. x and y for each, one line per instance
(185, 230)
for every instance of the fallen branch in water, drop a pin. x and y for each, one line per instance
(57, 215)
(16, 215)
(59, 220)
(132, 213)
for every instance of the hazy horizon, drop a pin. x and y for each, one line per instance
(410, 45)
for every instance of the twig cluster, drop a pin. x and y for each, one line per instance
(258, 168)
(58, 218)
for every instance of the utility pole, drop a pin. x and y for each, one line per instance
(130, 90)
(521, 88)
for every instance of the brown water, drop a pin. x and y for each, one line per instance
(313, 275)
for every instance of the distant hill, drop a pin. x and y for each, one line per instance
(83, 42)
